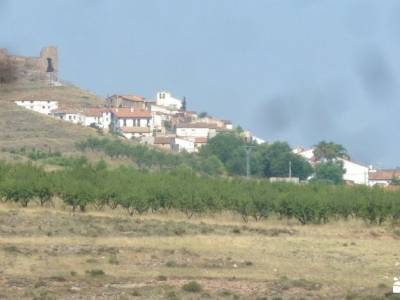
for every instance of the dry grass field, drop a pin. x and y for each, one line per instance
(52, 253)
(20, 127)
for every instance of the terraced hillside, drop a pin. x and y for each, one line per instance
(20, 127)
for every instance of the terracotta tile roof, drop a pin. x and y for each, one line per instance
(384, 174)
(66, 110)
(135, 129)
(130, 113)
(134, 98)
(196, 125)
(95, 112)
(158, 140)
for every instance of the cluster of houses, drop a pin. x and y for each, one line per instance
(163, 122)
(356, 173)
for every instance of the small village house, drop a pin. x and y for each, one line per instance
(126, 101)
(131, 123)
(72, 115)
(164, 142)
(164, 98)
(196, 130)
(355, 173)
(383, 177)
(98, 117)
(40, 106)
(184, 144)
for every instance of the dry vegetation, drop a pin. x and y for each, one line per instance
(51, 253)
(20, 127)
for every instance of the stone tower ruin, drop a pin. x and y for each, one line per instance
(44, 67)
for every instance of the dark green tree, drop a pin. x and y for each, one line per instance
(276, 160)
(329, 151)
(330, 172)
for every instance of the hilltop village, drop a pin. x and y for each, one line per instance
(163, 122)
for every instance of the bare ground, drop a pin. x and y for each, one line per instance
(51, 253)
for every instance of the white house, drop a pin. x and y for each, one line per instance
(165, 98)
(354, 172)
(69, 115)
(258, 140)
(382, 177)
(99, 117)
(196, 130)
(182, 144)
(41, 106)
(131, 122)
(306, 153)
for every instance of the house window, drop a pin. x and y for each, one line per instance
(44, 107)
(70, 117)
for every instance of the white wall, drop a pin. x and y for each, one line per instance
(133, 122)
(102, 121)
(185, 145)
(193, 132)
(75, 118)
(373, 182)
(89, 120)
(43, 107)
(355, 172)
(165, 99)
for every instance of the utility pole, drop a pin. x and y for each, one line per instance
(248, 151)
(290, 169)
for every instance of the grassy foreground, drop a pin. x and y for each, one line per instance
(51, 253)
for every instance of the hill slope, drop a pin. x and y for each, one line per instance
(20, 127)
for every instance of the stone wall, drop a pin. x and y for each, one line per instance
(35, 68)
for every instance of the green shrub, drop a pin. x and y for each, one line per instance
(192, 287)
(95, 273)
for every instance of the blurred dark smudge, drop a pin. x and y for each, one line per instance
(376, 76)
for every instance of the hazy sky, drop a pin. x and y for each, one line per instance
(299, 70)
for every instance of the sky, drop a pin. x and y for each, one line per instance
(300, 71)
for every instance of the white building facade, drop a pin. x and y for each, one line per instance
(98, 117)
(42, 106)
(354, 172)
(165, 98)
(131, 122)
(69, 115)
(196, 130)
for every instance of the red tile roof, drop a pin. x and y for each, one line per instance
(95, 112)
(130, 113)
(66, 110)
(159, 140)
(134, 98)
(384, 174)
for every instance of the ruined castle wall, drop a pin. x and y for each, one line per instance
(35, 68)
